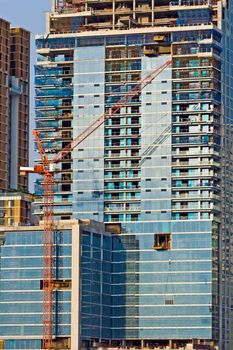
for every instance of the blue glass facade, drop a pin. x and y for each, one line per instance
(96, 286)
(88, 187)
(155, 293)
(21, 294)
(21, 287)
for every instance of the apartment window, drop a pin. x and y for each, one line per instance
(65, 217)
(162, 241)
(66, 188)
(164, 81)
(163, 103)
(169, 300)
(66, 123)
(134, 217)
(164, 92)
(163, 190)
(66, 166)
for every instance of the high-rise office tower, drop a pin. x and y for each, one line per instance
(14, 105)
(160, 168)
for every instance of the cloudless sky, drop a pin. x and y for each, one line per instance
(28, 14)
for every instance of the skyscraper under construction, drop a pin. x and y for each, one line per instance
(14, 122)
(14, 104)
(160, 168)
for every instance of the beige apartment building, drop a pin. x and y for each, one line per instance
(14, 105)
(15, 207)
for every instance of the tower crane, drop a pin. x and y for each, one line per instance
(46, 168)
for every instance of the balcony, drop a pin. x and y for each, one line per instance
(52, 72)
(195, 185)
(143, 8)
(188, 3)
(185, 208)
(122, 188)
(126, 166)
(122, 199)
(122, 155)
(184, 196)
(199, 51)
(132, 145)
(73, 12)
(203, 140)
(60, 92)
(121, 208)
(119, 176)
(196, 164)
(192, 154)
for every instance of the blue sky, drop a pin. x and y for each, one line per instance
(25, 13)
(29, 14)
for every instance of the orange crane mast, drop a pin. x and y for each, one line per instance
(46, 169)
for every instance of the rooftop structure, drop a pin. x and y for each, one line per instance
(72, 16)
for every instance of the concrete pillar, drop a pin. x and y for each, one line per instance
(14, 147)
(47, 23)
(113, 14)
(53, 6)
(134, 9)
(152, 12)
(75, 290)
